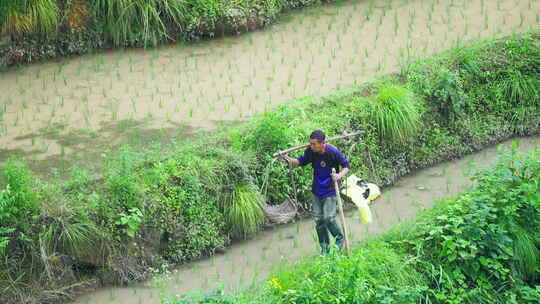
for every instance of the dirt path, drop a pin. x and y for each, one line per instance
(252, 261)
(78, 108)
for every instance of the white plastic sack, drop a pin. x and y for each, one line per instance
(362, 193)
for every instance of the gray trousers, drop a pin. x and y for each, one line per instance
(324, 209)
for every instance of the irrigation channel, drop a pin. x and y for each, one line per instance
(78, 108)
(252, 261)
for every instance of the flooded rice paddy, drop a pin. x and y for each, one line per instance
(77, 108)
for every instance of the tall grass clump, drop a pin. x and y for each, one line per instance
(396, 112)
(519, 88)
(522, 91)
(5, 230)
(18, 212)
(69, 228)
(121, 179)
(143, 22)
(243, 210)
(526, 249)
(29, 17)
(68, 235)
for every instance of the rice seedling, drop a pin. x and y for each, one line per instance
(521, 19)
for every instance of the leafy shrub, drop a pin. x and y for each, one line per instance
(188, 215)
(121, 180)
(372, 274)
(131, 221)
(448, 94)
(18, 201)
(202, 15)
(268, 134)
(5, 215)
(487, 237)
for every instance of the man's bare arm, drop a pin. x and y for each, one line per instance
(292, 161)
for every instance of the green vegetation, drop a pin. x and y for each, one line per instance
(29, 17)
(17, 201)
(243, 210)
(480, 247)
(396, 113)
(156, 207)
(373, 274)
(127, 22)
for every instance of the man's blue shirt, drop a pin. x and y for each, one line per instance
(322, 164)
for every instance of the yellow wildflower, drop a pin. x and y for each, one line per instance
(274, 283)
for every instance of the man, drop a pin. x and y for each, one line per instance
(323, 157)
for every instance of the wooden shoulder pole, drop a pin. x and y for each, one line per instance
(342, 216)
(279, 153)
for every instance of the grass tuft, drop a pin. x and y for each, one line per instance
(243, 211)
(396, 113)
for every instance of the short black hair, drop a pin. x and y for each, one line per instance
(318, 135)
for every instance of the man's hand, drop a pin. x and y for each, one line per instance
(283, 158)
(336, 176)
(290, 160)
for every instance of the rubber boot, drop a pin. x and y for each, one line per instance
(322, 234)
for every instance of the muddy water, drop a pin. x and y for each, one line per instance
(252, 261)
(89, 104)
